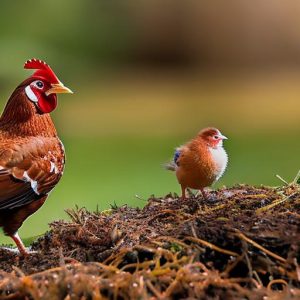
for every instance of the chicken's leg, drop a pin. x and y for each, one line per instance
(19, 244)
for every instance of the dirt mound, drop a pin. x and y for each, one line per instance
(244, 243)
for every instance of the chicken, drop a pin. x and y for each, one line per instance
(31, 154)
(200, 162)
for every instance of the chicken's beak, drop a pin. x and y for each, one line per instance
(58, 88)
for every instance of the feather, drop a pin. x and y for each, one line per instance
(176, 156)
(27, 170)
(173, 165)
(170, 166)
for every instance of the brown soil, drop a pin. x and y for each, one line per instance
(244, 245)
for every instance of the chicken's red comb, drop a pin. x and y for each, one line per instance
(43, 70)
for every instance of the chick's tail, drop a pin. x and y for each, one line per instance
(170, 166)
(173, 165)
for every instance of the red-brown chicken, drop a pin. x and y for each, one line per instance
(31, 154)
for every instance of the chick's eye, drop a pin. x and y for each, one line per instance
(39, 84)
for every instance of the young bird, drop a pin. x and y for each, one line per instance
(31, 154)
(200, 162)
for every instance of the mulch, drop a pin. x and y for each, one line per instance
(243, 243)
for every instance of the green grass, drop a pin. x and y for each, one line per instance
(102, 171)
(119, 131)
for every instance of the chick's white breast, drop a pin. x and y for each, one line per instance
(220, 159)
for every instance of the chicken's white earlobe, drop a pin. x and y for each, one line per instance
(30, 94)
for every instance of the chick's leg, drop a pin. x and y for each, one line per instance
(183, 194)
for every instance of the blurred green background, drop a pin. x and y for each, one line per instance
(147, 76)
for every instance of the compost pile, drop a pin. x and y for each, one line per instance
(245, 244)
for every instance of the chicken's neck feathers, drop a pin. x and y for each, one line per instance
(20, 117)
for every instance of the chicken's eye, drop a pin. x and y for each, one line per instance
(216, 137)
(39, 84)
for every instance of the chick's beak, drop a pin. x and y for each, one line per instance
(58, 88)
(223, 137)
